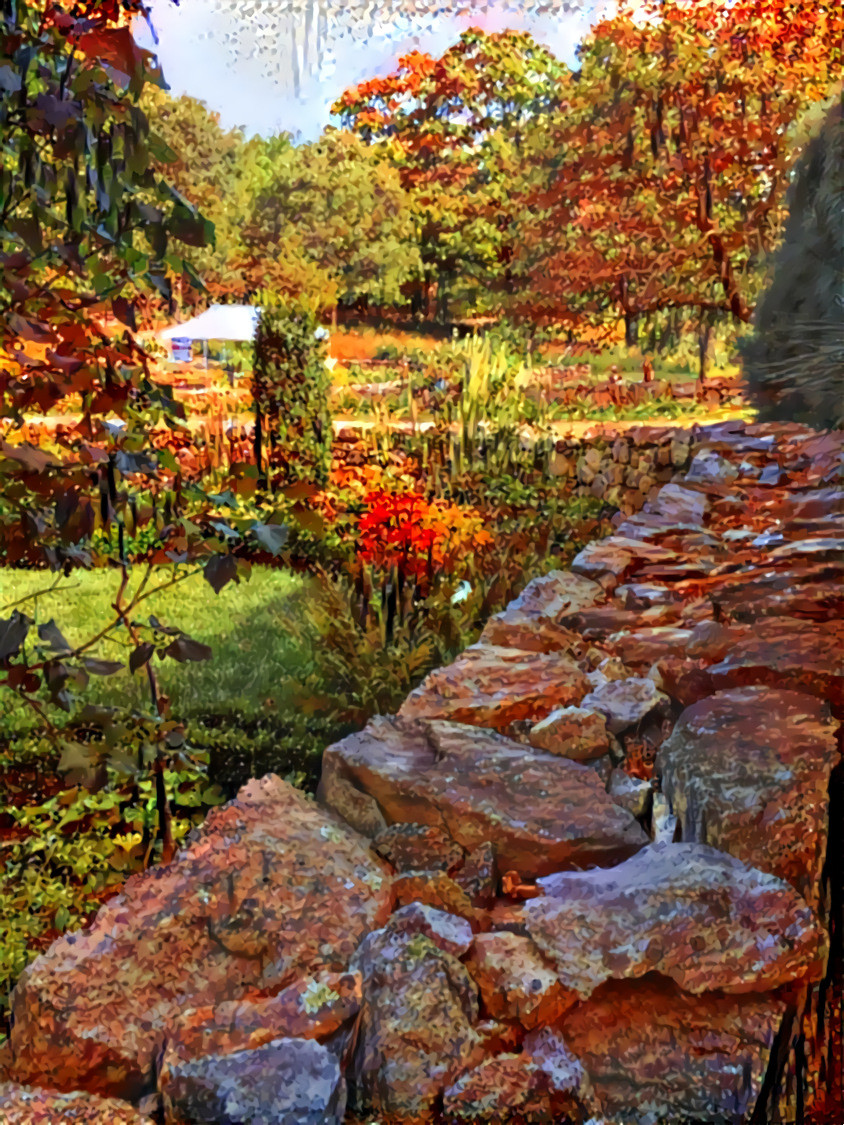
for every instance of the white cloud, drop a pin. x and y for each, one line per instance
(238, 57)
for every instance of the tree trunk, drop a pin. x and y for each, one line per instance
(703, 353)
(442, 299)
(631, 329)
(257, 434)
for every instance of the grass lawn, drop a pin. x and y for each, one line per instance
(252, 659)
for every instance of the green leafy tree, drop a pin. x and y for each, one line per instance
(332, 219)
(208, 166)
(455, 127)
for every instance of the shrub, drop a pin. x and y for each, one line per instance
(794, 362)
(290, 390)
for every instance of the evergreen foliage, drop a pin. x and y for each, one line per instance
(794, 363)
(290, 391)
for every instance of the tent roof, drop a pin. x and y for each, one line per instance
(219, 322)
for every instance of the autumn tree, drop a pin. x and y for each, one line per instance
(672, 160)
(454, 128)
(87, 225)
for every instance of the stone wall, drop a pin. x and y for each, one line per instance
(624, 468)
(590, 872)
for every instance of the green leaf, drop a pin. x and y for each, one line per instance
(272, 537)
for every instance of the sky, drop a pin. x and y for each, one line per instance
(240, 56)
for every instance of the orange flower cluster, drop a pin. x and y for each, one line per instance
(417, 536)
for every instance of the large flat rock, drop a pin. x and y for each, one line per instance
(611, 561)
(273, 889)
(687, 911)
(542, 813)
(650, 1048)
(748, 771)
(788, 653)
(495, 686)
(531, 622)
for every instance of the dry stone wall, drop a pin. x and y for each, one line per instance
(589, 872)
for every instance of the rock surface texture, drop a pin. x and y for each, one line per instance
(587, 873)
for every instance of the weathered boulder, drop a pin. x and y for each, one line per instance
(598, 623)
(418, 847)
(433, 888)
(788, 653)
(515, 980)
(447, 931)
(748, 771)
(531, 622)
(285, 1082)
(687, 911)
(626, 703)
(27, 1105)
(676, 501)
(542, 813)
(611, 561)
(416, 1024)
(644, 647)
(271, 888)
(709, 467)
(572, 732)
(491, 686)
(541, 1089)
(309, 1008)
(500, 1089)
(643, 595)
(651, 1049)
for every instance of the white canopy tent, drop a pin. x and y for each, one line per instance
(220, 322)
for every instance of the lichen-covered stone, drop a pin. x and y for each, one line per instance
(651, 1049)
(309, 1008)
(284, 1082)
(28, 1105)
(787, 653)
(532, 621)
(492, 686)
(686, 911)
(515, 980)
(271, 888)
(542, 813)
(626, 703)
(572, 732)
(447, 931)
(748, 771)
(417, 847)
(419, 1005)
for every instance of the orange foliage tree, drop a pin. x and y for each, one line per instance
(672, 157)
(454, 127)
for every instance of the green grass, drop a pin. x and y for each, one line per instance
(253, 656)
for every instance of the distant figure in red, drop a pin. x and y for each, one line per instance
(647, 370)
